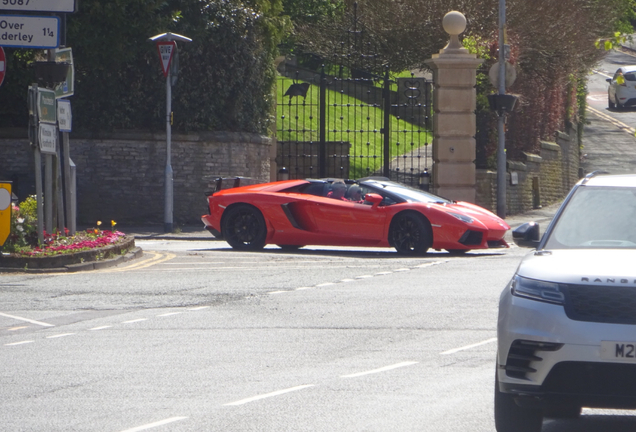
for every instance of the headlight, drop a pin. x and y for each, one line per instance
(537, 290)
(463, 218)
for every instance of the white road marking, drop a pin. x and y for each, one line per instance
(453, 351)
(602, 74)
(383, 273)
(268, 395)
(43, 324)
(199, 308)
(303, 288)
(169, 314)
(383, 369)
(402, 270)
(100, 328)
(347, 280)
(19, 343)
(59, 335)
(135, 320)
(431, 264)
(155, 424)
(17, 328)
(276, 292)
(364, 277)
(325, 284)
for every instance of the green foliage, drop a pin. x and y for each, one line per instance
(24, 229)
(225, 79)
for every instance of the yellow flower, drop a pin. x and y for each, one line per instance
(99, 223)
(113, 223)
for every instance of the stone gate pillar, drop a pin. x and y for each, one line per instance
(454, 119)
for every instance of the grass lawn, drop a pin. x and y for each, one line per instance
(349, 120)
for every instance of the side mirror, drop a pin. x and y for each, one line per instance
(374, 199)
(609, 80)
(527, 235)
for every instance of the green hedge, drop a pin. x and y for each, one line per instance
(226, 74)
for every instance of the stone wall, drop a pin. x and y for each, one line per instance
(120, 176)
(537, 180)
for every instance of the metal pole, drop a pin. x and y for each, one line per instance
(501, 147)
(168, 175)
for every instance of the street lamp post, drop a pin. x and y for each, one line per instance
(167, 46)
(501, 146)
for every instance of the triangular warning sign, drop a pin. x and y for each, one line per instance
(166, 50)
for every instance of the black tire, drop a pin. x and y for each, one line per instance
(510, 417)
(563, 412)
(289, 248)
(610, 104)
(244, 228)
(410, 234)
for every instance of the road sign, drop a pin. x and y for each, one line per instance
(5, 211)
(25, 31)
(166, 49)
(47, 110)
(38, 5)
(66, 88)
(64, 116)
(48, 138)
(3, 66)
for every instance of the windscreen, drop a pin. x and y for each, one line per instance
(597, 217)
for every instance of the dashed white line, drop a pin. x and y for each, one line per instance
(402, 270)
(347, 280)
(19, 343)
(268, 395)
(197, 308)
(453, 351)
(364, 277)
(169, 314)
(59, 335)
(382, 369)
(155, 424)
(100, 328)
(303, 288)
(43, 324)
(325, 284)
(276, 292)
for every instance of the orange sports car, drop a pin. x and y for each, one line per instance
(369, 212)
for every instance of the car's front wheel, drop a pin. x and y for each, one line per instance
(244, 227)
(410, 234)
(510, 417)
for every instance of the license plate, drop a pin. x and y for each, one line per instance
(618, 351)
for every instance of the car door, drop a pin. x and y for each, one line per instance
(347, 219)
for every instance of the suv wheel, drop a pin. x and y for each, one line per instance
(510, 417)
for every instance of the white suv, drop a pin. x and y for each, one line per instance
(567, 319)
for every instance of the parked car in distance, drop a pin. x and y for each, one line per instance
(567, 319)
(621, 92)
(296, 213)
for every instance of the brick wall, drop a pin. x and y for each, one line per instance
(120, 176)
(536, 181)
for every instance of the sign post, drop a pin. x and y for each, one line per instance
(26, 31)
(3, 67)
(166, 47)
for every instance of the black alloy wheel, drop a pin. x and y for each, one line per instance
(244, 228)
(410, 234)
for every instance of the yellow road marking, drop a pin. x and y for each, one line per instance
(617, 123)
(157, 258)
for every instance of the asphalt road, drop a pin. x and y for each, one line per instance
(197, 337)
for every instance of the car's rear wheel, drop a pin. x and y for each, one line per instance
(564, 412)
(410, 234)
(244, 228)
(610, 104)
(510, 417)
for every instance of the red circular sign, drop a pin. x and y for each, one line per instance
(3, 65)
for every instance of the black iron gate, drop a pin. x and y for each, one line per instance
(351, 118)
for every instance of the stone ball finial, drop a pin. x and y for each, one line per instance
(454, 23)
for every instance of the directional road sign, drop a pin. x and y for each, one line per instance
(25, 31)
(38, 5)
